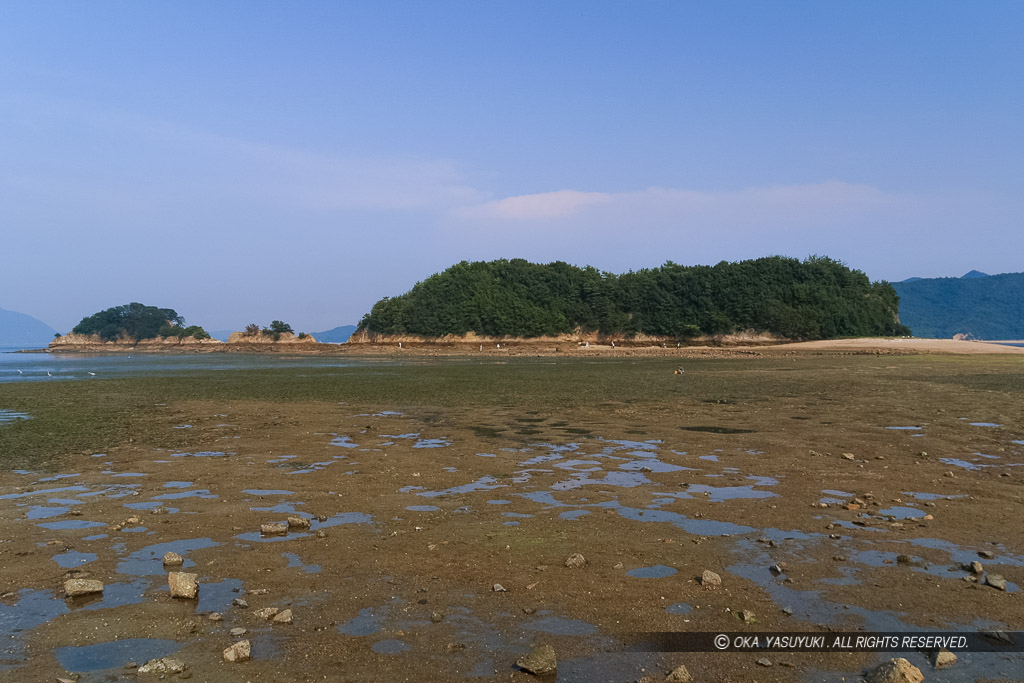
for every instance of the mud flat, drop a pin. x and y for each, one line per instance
(406, 492)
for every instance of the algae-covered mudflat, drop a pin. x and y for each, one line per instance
(829, 492)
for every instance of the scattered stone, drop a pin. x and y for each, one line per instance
(944, 659)
(619, 566)
(274, 529)
(132, 520)
(909, 561)
(239, 652)
(131, 665)
(764, 661)
(498, 588)
(321, 533)
(240, 602)
(436, 617)
(161, 510)
(747, 616)
(996, 581)
(787, 610)
(258, 591)
(986, 554)
(680, 674)
(74, 588)
(173, 560)
(215, 616)
(779, 568)
(283, 617)
(894, 671)
(576, 561)
(298, 523)
(166, 665)
(454, 647)
(540, 662)
(183, 585)
(266, 613)
(710, 580)
(238, 632)
(848, 456)
(974, 567)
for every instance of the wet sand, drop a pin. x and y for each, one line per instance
(426, 484)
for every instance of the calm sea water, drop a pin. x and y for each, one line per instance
(49, 367)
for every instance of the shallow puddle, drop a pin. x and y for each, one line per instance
(658, 571)
(149, 561)
(114, 654)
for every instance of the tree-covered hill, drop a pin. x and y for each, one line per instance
(987, 307)
(135, 321)
(812, 299)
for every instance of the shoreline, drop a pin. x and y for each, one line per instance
(557, 348)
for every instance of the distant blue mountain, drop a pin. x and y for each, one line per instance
(911, 279)
(18, 329)
(338, 335)
(983, 306)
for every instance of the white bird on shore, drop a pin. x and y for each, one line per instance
(93, 374)
(48, 374)
(20, 372)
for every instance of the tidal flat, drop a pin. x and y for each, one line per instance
(829, 492)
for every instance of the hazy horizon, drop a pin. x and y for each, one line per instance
(243, 162)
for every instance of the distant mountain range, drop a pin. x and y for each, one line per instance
(18, 329)
(981, 305)
(337, 335)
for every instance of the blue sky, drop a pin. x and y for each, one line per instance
(246, 161)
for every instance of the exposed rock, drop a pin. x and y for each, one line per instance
(764, 661)
(173, 560)
(183, 585)
(944, 659)
(576, 561)
(298, 523)
(167, 665)
(996, 581)
(239, 652)
(215, 616)
(238, 632)
(266, 613)
(436, 617)
(974, 567)
(240, 602)
(894, 671)
(161, 510)
(283, 617)
(710, 580)
(541, 661)
(679, 675)
(498, 588)
(747, 616)
(619, 565)
(274, 529)
(779, 568)
(76, 587)
(848, 456)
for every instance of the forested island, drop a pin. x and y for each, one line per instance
(977, 305)
(817, 298)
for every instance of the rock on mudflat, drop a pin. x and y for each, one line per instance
(76, 587)
(710, 580)
(183, 585)
(576, 561)
(173, 560)
(166, 665)
(239, 652)
(944, 659)
(540, 662)
(274, 529)
(238, 632)
(283, 617)
(680, 674)
(996, 581)
(298, 523)
(894, 671)
(266, 613)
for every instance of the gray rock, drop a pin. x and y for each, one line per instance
(298, 523)
(166, 665)
(996, 581)
(764, 661)
(266, 613)
(238, 632)
(173, 560)
(240, 602)
(679, 675)
(576, 561)
(283, 617)
(540, 662)
(183, 585)
(239, 652)
(710, 580)
(498, 588)
(894, 671)
(274, 529)
(986, 554)
(77, 587)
